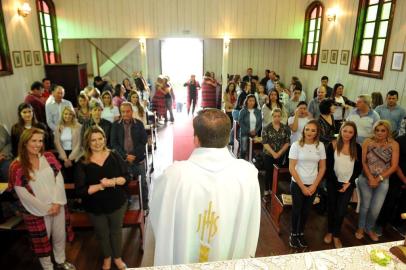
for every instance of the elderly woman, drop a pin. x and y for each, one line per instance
(99, 180)
(275, 138)
(380, 157)
(36, 179)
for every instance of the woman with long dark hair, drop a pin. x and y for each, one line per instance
(273, 102)
(343, 105)
(119, 95)
(344, 161)
(26, 120)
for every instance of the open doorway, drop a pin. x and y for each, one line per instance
(182, 57)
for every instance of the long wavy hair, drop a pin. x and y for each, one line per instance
(141, 110)
(23, 156)
(316, 139)
(86, 142)
(353, 141)
(269, 104)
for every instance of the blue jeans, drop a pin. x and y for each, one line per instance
(243, 146)
(4, 170)
(139, 169)
(371, 202)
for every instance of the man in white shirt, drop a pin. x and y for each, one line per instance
(206, 208)
(54, 106)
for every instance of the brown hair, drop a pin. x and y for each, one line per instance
(22, 150)
(86, 142)
(212, 128)
(353, 141)
(316, 139)
(138, 104)
(85, 97)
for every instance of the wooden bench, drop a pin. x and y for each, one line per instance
(132, 217)
(280, 183)
(254, 147)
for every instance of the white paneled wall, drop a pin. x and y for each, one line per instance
(23, 34)
(180, 18)
(339, 35)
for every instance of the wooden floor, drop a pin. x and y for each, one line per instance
(85, 254)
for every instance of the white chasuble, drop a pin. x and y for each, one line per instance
(205, 209)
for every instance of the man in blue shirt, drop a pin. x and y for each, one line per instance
(364, 117)
(391, 111)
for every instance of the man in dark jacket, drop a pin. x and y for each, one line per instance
(128, 137)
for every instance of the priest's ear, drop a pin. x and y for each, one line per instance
(196, 141)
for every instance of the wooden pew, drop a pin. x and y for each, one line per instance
(281, 180)
(254, 147)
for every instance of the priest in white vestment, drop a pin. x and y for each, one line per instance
(208, 207)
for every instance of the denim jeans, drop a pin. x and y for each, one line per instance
(301, 206)
(139, 169)
(243, 146)
(4, 170)
(371, 202)
(168, 105)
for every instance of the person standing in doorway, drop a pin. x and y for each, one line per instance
(192, 93)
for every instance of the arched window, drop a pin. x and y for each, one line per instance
(312, 35)
(371, 38)
(49, 31)
(5, 61)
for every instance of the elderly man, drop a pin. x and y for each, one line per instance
(128, 137)
(54, 106)
(364, 117)
(206, 208)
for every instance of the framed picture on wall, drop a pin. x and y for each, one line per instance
(37, 57)
(344, 57)
(333, 56)
(398, 59)
(18, 62)
(28, 58)
(324, 56)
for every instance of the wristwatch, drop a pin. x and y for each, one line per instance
(380, 178)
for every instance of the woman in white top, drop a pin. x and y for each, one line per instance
(344, 163)
(307, 164)
(36, 178)
(298, 121)
(343, 105)
(139, 111)
(110, 112)
(67, 141)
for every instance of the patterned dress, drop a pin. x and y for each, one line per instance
(208, 93)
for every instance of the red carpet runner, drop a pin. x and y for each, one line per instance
(182, 138)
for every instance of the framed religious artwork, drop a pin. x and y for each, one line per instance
(18, 61)
(333, 56)
(398, 60)
(28, 58)
(345, 54)
(324, 56)
(37, 57)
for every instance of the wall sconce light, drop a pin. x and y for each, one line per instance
(226, 41)
(24, 10)
(332, 14)
(142, 42)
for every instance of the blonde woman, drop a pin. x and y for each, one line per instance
(67, 141)
(110, 112)
(380, 158)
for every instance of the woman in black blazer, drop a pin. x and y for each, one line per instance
(344, 163)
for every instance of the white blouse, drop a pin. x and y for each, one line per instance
(66, 138)
(253, 120)
(343, 167)
(109, 113)
(47, 189)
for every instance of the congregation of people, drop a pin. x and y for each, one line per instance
(99, 145)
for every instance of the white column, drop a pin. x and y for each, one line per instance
(224, 70)
(144, 59)
(95, 64)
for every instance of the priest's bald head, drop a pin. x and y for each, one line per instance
(211, 128)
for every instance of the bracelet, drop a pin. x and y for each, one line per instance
(381, 178)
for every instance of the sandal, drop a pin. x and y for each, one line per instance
(373, 236)
(337, 242)
(328, 238)
(359, 234)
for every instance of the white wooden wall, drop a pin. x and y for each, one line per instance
(23, 34)
(179, 18)
(339, 35)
